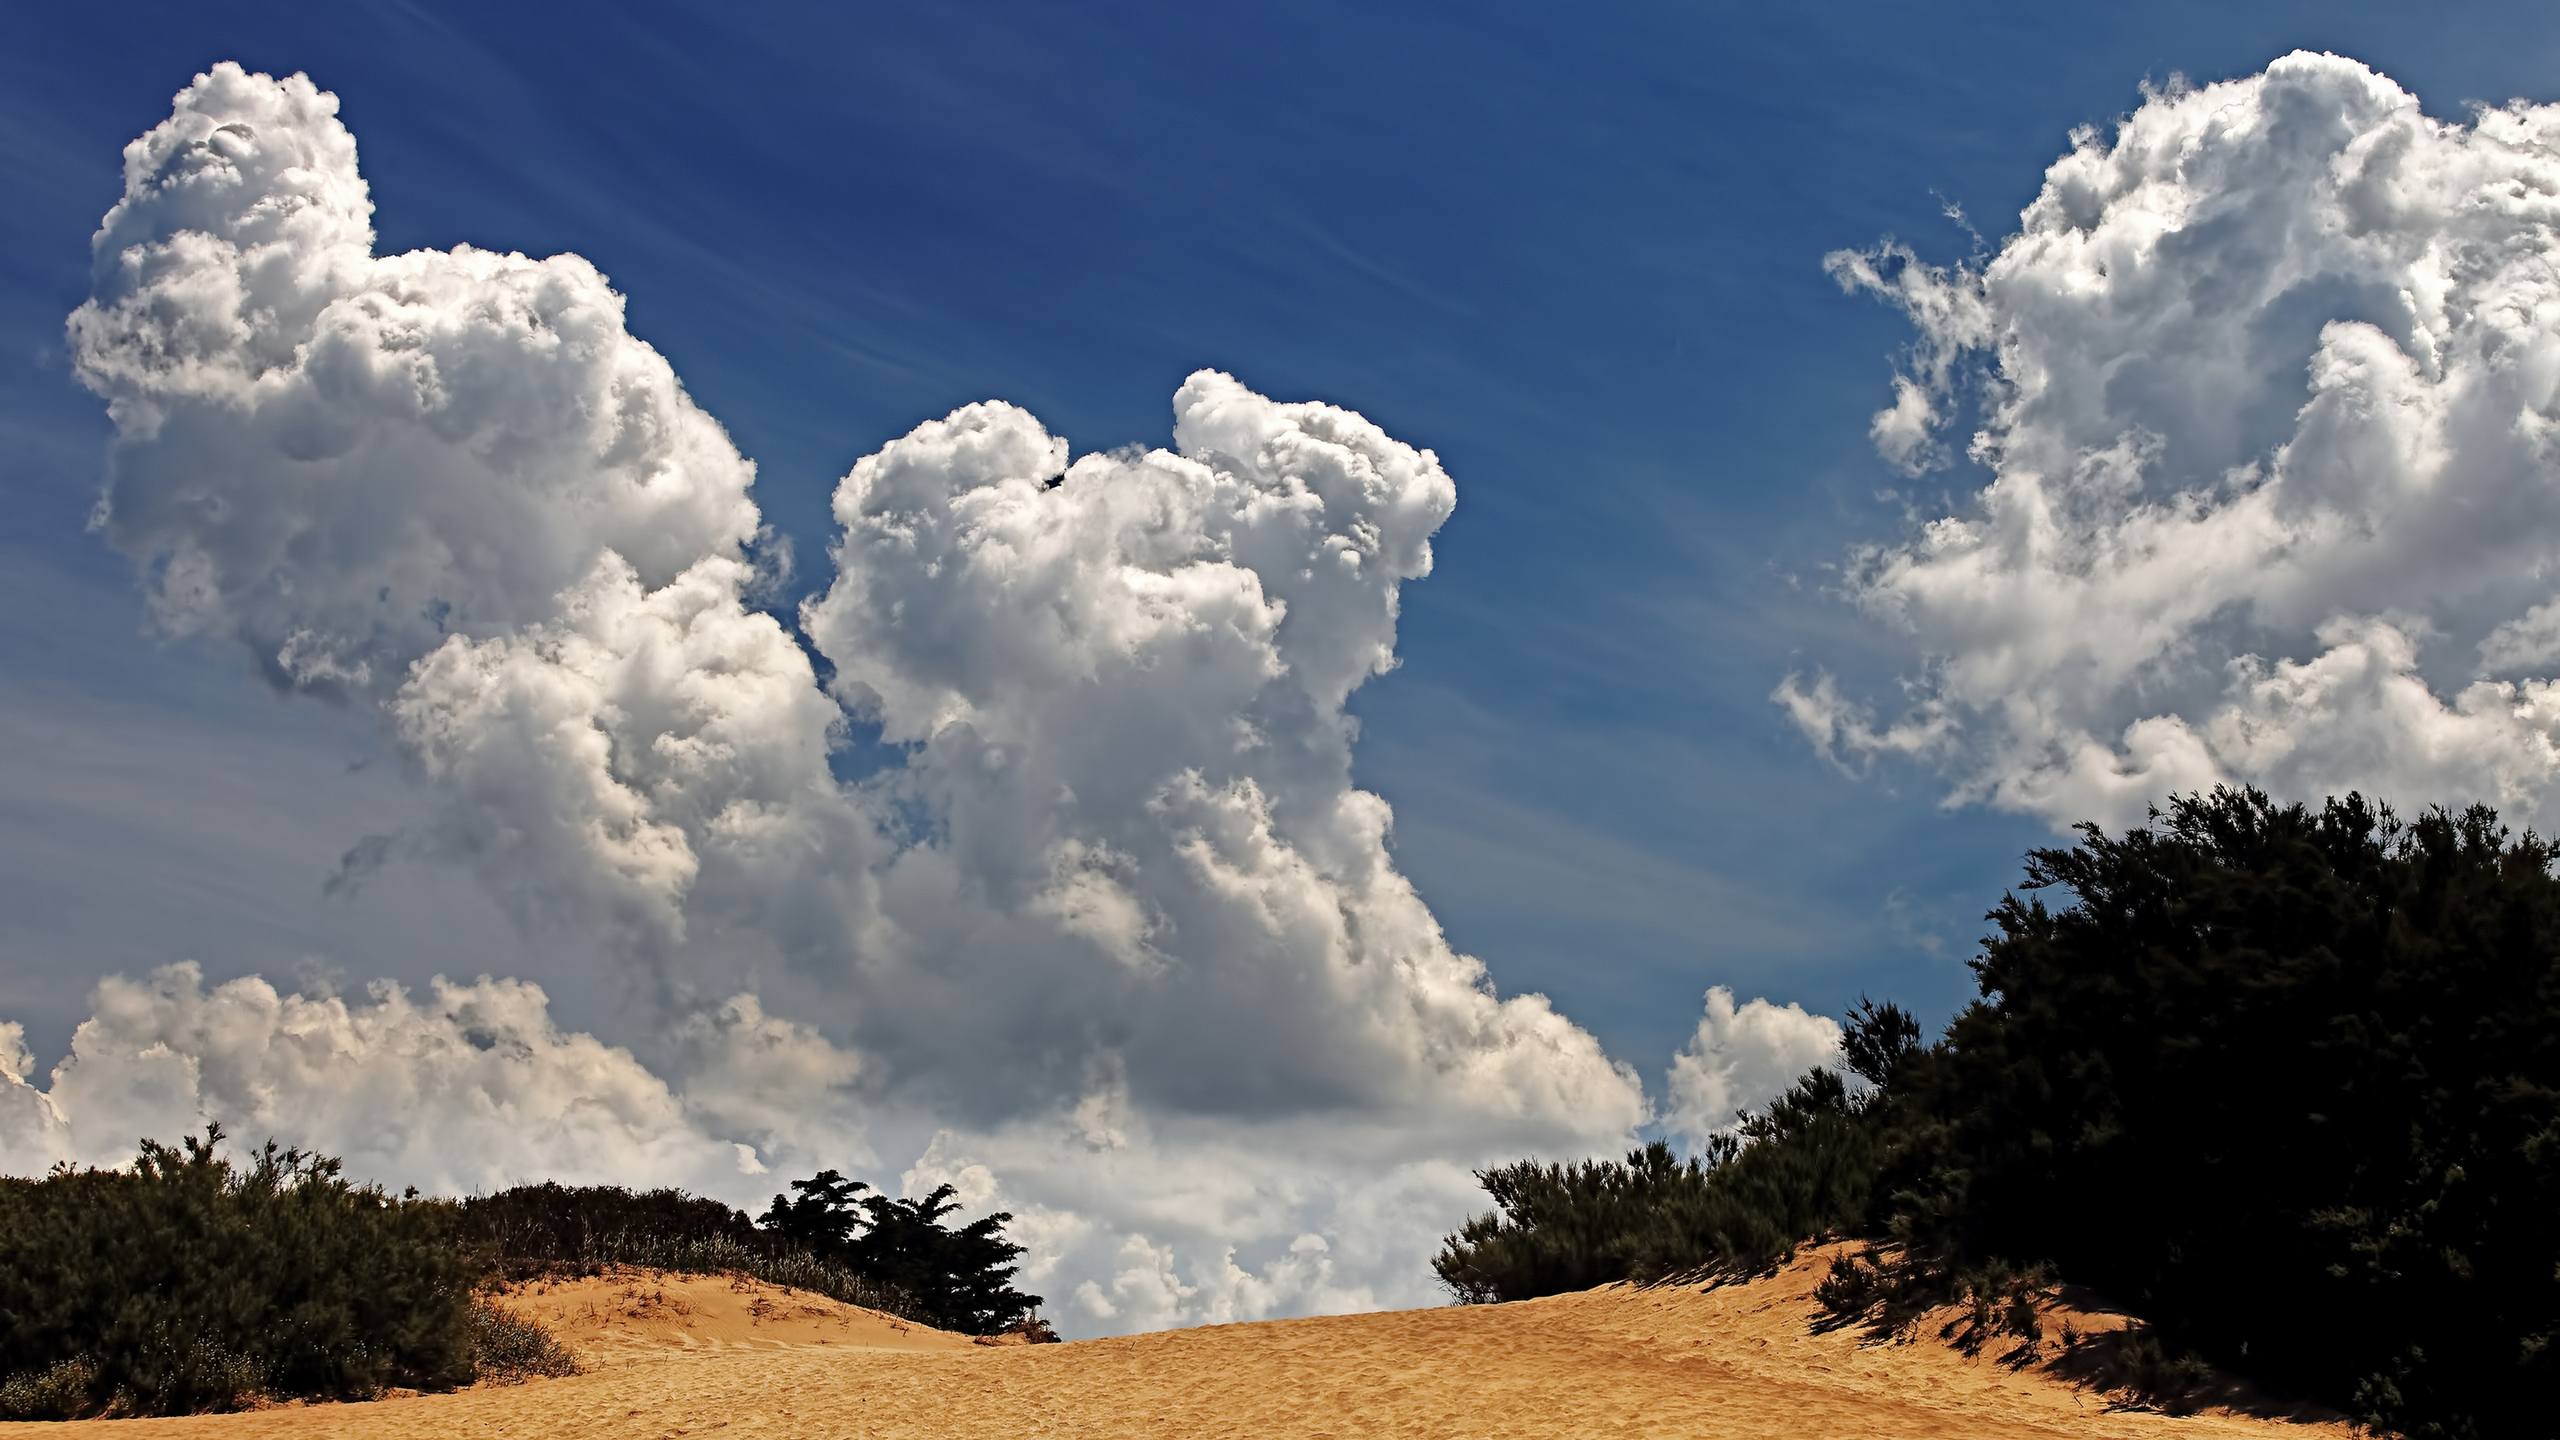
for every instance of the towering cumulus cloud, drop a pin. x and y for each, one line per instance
(1124, 679)
(1107, 920)
(2268, 382)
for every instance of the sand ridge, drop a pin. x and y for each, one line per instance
(631, 1314)
(674, 1356)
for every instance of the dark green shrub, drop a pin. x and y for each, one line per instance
(2173, 1380)
(2285, 1082)
(1855, 1288)
(1997, 1301)
(1801, 1168)
(1875, 1289)
(1559, 1228)
(192, 1283)
(551, 1225)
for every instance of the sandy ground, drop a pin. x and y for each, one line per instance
(690, 1356)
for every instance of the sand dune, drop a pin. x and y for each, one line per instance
(640, 1315)
(691, 1356)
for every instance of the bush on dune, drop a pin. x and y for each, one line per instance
(2285, 1081)
(192, 1282)
(579, 1231)
(551, 1226)
(506, 1348)
(197, 1282)
(552, 1229)
(1800, 1168)
(833, 1236)
(1557, 1228)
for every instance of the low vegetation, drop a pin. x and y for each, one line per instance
(551, 1229)
(507, 1348)
(1801, 1168)
(190, 1282)
(2285, 1081)
(194, 1281)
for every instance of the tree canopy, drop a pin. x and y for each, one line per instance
(2286, 1081)
(961, 1277)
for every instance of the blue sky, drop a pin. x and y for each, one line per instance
(1576, 250)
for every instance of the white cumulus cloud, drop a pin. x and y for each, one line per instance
(1740, 1058)
(339, 458)
(1105, 927)
(33, 1135)
(467, 1086)
(2266, 383)
(1123, 681)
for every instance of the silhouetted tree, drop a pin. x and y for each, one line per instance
(958, 1279)
(963, 1276)
(1878, 1041)
(822, 1218)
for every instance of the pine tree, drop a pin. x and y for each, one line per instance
(823, 1218)
(960, 1279)
(963, 1276)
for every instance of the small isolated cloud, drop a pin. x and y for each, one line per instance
(2264, 394)
(1740, 1058)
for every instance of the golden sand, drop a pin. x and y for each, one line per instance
(672, 1356)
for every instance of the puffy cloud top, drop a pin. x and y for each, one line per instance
(2267, 383)
(1124, 679)
(339, 458)
(468, 1087)
(1742, 1057)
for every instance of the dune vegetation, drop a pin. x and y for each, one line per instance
(2284, 1081)
(685, 1355)
(194, 1282)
